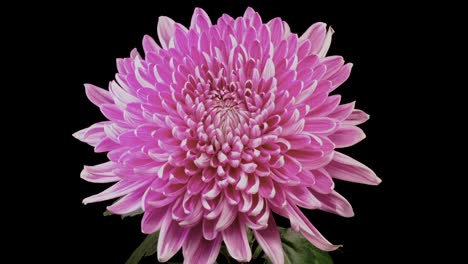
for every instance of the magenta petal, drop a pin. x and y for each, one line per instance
(326, 43)
(119, 189)
(335, 203)
(98, 95)
(101, 173)
(149, 45)
(316, 35)
(198, 250)
(166, 30)
(235, 238)
(348, 169)
(356, 117)
(347, 136)
(127, 204)
(171, 238)
(152, 220)
(269, 240)
(299, 220)
(92, 135)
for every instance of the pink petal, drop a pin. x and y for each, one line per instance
(209, 232)
(92, 135)
(342, 112)
(346, 168)
(321, 125)
(316, 35)
(98, 95)
(235, 238)
(152, 219)
(166, 30)
(227, 216)
(119, 189)
(347, 136)
(356, 117)
(326, 43)
(127, 204)
(200, 20)
(198, 250)
(149, 45)
(101, 173)
(171, 238)
(335, 203)
(341, 76)
(323, 181)
(269, 240)
(302, 196)
(299, 220)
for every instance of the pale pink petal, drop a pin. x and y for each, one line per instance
(171, 238)
(347, 136)
(356, 117)
(316, 35)
(127, 204)
(269, 240)
(101, 173)
(119, 189)
(98, 95)
(326, 43)
(152, 220)
(348, 169)
(235, 238)
(149, 45)
(335, 203)
(198, 250)
(166, 30)
(299, 220)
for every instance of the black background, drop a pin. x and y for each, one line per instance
(376, 38)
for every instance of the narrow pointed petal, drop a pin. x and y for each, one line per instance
(235, 238)
(171, 238)
(269, 240)
(356, 117)
(326, 43)
(198, 250)
(299, 220)
(119, 189)
(101, 173)
(166, 30)
(127, 204)
(348, 169)
(335, 203)
(98, 95)
(152, 220)
(347, 136)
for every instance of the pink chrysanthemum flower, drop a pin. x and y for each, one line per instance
(222, 125)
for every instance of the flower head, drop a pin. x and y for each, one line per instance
(219, 126)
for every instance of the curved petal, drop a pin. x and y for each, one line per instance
(235, 238)
(334, 203)
(269, 240)
(348, 169)
(198, 250)
(347, 136)
(166, 30)
(119, 189)
(98, 96)
(101, 173)
(299, 221)
(152, 219)
(171, 238)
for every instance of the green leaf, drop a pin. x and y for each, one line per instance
(147, 248)
(297, 249)
(137, 212)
